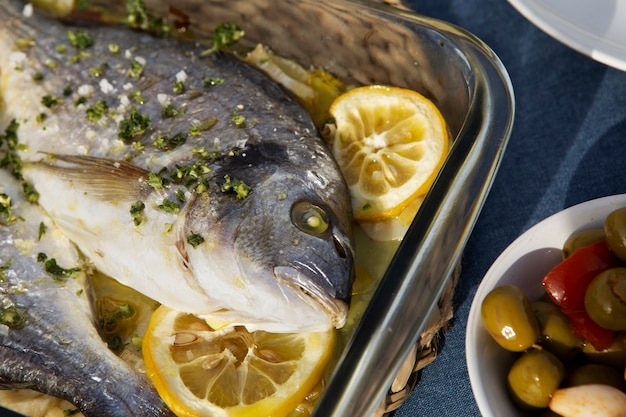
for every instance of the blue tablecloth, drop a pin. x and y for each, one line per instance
(568, 146)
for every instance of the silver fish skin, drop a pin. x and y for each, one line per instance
(49, 341)
(279, 259)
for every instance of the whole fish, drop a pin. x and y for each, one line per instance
(49, 341)
(193, 179)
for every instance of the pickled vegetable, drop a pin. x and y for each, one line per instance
(581, 239)
(508, 318)
(534, 377)
(595, 373)
(605, 299)
(556, 331)
(615, 231)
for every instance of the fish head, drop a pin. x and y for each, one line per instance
(288, 246)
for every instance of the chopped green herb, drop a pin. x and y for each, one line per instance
(137, 211)
(137, 97)
(12, 317)
(137, 146)
(98, 71)
(137, 341)
(203, 125)
(238, 120)
(123, 312)
(67, 91)
(41, 257)
(225, 34)
(164, 142)
(195, 240)
(80, 100)
(50, 101)
(155, 181)
(240, 189)
(70, 412)
(134, 125)
(137, 17)
(180, 195)
(179, 87)
(96, 111)
(4, 277)
(32, 196)
(80, 39)
(41, 117)
(51, 64)
(5, 210)
(25, 43)
(38, 76)
(58, 272)
(114, 48)
(42, 230)
(61, 49)
(135, 70)
(210, 82)
(169, 206)
(78, 57)
(169, 111)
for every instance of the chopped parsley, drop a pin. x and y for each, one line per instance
(54, 269)
(163, 142)
(42, 230)
(114, 48)
(137, 97)
(41, 117)
(79, 39)
(210, 82)
(12, 317)
(195, 240)
(169, 206)
(137, 17)
(134, 125)
(80, 100)
(5, 209)
(135, 70)
(169, 111)
(50, 101)
(67, 91)
(70, 412)
(203, 125)
(38, 77)
(224, 35)
(9, 147)
(236, 186)
(238, 120)
(98, 71)
(155, 181)
(97, 110)
(137, 211)
(179, 87)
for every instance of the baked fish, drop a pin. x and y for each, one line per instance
(49, 339)
(189, 177)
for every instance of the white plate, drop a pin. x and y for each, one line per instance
(596, 28)
(524, 263)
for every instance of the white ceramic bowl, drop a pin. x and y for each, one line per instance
(524, 263)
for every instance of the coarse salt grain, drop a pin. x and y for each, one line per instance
(164, 99)
(181, 76)
(106, 86)
(28, 10)
(85, 90)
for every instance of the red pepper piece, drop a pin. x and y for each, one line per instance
(587, 329)
(567, 282)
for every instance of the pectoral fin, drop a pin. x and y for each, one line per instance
(101, 179)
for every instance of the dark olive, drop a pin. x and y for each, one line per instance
(615, 231)
(594, 373)
(581, 239)
(614, 356)
(556, 331)
(605, 299)
(533, 378)
(508, 317)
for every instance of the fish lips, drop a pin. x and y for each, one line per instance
(312, 293)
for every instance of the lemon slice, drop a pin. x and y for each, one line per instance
(199, 371)
(390, 143)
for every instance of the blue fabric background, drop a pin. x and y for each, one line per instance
(568, 146)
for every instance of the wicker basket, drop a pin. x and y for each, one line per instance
(423, 352)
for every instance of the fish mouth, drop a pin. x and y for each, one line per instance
(313, 294)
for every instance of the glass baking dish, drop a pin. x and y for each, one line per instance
(364, 42)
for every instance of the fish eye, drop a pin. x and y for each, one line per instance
(309, 218)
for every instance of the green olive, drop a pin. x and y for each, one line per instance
(556, 331)
(594, 373)
(615, 231)
(605, 299)
(614, 356)
(508, 317)
(581, 239)
(533, 378)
